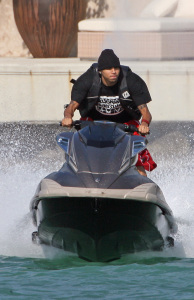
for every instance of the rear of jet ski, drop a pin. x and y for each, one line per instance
(102, 224)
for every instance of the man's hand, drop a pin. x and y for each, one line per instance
(67, 122)
(146, 116)
(143, 128)
(68, 114)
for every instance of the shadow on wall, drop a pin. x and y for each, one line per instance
(115, 8)
(97, 9)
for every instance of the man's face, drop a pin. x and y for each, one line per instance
(110, 76)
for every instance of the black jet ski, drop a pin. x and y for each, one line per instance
(98, 205)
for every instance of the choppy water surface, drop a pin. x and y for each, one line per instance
(28, 153)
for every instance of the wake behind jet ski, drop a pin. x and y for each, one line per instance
(98, 205)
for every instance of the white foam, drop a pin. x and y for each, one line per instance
(175, 177)
(17, 187)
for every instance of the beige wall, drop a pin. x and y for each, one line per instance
(37, 89)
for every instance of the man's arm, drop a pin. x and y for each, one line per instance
(146, 119)
(69, 113)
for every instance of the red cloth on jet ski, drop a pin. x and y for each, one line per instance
(144, 157)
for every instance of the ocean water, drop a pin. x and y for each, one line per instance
(28, 152)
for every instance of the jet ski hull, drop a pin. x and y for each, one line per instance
(102, 227)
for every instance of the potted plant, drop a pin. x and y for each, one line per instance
(49, 27)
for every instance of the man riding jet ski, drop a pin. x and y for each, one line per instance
(110, 91)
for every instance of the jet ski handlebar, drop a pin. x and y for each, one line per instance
(78, 124)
